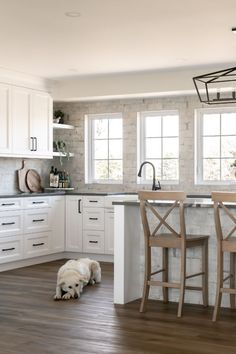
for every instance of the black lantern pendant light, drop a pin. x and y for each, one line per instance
(217, 87)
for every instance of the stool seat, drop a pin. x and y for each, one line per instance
(153, 222)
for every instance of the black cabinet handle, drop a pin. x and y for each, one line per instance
(8, 223)
(8, 249)
(93, 241)
(36, 144)
(93, 218)
(7, 204)
(93, 201)
(38, 244)
(79, 206)
(38, 220)
(41, 202)
(31, 143)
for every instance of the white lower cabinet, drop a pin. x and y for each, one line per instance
(93, 224)
(11, 249)
(74, 237)
(109, 231)
(58, 224)
(37, 244)
(93, 241)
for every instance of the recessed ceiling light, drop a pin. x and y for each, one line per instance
(72, 14)
(234, 29)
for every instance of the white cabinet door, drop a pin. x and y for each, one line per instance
(109, 231)
(93, 241)
(31, 123)
(5, 119)
(74, 224)
(22, 142)
(58, 224)
(41, 123)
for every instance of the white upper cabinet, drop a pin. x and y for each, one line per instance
(5, 119)
(41, 123)
(22, 143)
(26, 116)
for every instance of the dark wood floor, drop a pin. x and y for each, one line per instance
(32, 322)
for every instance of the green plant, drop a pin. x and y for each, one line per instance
(59, 114)
(61, 147)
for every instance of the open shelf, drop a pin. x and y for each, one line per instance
(60, 154)
(62, 126)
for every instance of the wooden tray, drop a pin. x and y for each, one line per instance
(33, 181)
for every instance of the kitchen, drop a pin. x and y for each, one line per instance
(134, 91)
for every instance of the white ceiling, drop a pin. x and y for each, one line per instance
(113, 36)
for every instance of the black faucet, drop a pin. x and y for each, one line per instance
(154, 186)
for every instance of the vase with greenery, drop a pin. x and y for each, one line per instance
(59, 116)
(61, 147)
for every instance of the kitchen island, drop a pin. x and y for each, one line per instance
(129, 252)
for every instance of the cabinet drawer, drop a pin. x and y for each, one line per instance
(93, 219)
(11, 249)
(37, 202)
(11, 223)
(10, 204)
(93, 241)
(93, 201)
(37, 220)
(37, 244)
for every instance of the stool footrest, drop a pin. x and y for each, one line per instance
(189, 287)
(164, 284)
(228, 291)
(158, 271)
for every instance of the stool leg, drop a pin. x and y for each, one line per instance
(219, 282)
(147, 277)
(205, 275)
(182, 280)
(232, 279)
(165, 264)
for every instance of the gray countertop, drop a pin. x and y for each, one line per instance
(189, 202)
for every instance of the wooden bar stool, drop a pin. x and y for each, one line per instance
(225, 243)
(152, 220)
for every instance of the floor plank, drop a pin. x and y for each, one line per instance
(33, 323)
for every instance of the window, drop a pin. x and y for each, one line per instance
(104, 158)
(158, 137)
(215, 142)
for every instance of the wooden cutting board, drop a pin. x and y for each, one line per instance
(21, 178)
(33, 181)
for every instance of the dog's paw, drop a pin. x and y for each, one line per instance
(57, 297)
(66, 296)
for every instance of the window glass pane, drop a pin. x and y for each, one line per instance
(153, 126)
(228, 146)
(148, 170)
(211, 169)
(170, 169)
(115, 169)
(100, 128)
(101, 169)
(228, 172)
(211, 124)
(170, 125)
(170, 147)
(228, 123)
(115, 149)
(153, 148)
(211, 147)
(101, 149)
(115, 128)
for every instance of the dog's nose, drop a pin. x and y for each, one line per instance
(76, 296)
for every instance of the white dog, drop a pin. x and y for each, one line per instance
(74, 275)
